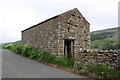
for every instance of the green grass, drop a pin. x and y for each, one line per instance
(31, 52)
(46, 56)
(102, 70)
(64, 61)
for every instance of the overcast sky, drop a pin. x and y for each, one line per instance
(17, 15)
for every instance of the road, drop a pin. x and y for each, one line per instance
(16, 66)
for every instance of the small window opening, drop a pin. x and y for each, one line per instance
(68, 29)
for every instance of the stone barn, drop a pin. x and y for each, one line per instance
(67, 33)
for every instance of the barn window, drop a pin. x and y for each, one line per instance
(68, 29)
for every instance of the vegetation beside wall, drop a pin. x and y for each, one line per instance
(99, 71)
(31, 52)
(94, 71)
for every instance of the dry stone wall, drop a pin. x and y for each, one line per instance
(112, 58)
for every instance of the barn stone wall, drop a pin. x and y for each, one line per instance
(96, 57)
(50, 34)
(72, 25)
(43, 36)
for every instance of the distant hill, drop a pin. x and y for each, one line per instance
(105, 39)
(2, 45)
(111, 33)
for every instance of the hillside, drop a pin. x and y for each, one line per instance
(2, 45)
(105, 39)
(111, 33)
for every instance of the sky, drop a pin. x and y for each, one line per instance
(17, 15)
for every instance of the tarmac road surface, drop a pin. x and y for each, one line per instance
(16, 66)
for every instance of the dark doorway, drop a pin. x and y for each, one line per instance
(69, 48)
